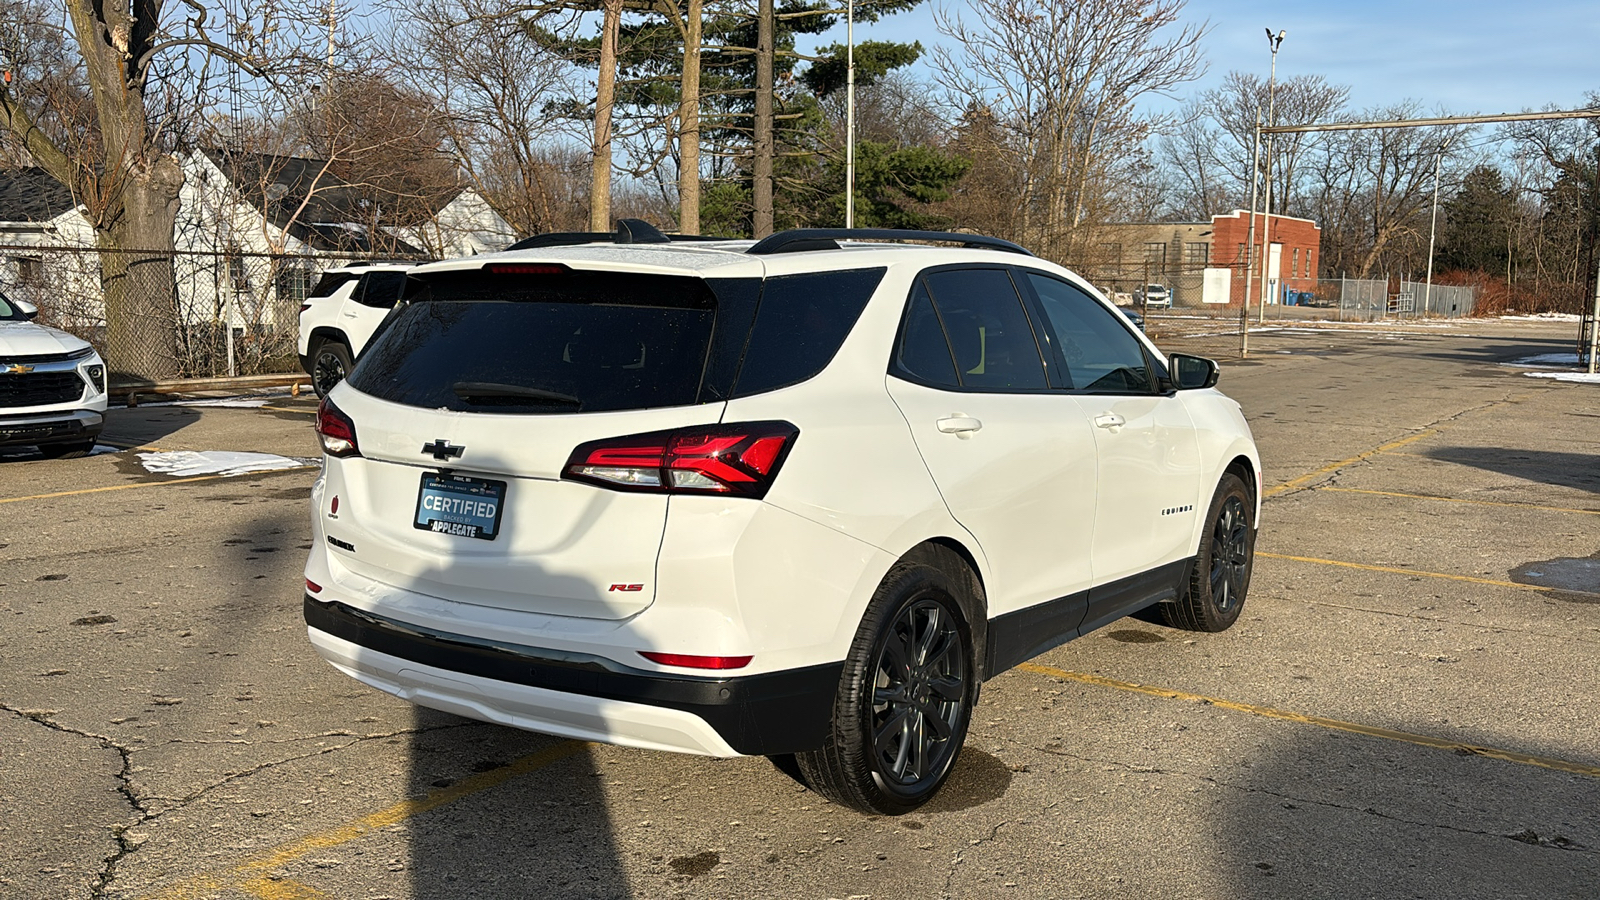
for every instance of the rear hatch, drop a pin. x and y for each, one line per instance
(475, 394)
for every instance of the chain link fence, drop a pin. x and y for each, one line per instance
(1336, 299)
(159, 315)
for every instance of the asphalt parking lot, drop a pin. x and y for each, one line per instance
(1406, 709)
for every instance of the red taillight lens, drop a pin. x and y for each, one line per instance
(304, 307)
(740, 459)
(313, 587)
(697, 662)
(338, 433)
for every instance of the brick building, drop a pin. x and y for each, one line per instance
(1296, 250)
(1178, 254)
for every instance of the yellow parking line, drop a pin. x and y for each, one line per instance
(1421, 740)
(1309, 477)
(1418, 572)
(283, 889)
(146, 484)
(303, 412)
(253, 873)
(1340, 490)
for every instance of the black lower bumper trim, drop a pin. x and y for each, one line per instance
(758, 715)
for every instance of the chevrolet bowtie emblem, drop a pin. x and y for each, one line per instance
(439, 449)
(18, 369)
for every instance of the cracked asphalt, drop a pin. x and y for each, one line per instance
(1405, 709)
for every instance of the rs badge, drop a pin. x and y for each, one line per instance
(627, 587)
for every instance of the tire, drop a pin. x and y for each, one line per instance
(75, 450)
(1221, 575)
(330, 363)
(907, 692)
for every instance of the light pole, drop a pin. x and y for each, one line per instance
(1433, 225)
(850, 116)
(1250, 242)
(1266, 225)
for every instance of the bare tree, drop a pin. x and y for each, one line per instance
(1061, 78)
(104, 117)
(493, 85)
(1374, 187)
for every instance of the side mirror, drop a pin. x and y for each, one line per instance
(27, 309)
(1192, 372)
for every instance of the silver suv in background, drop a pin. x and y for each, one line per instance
(52, 385)
(341, 314)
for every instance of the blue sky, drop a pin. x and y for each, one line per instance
(1468, 56)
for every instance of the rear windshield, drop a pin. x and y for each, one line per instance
(541, 339)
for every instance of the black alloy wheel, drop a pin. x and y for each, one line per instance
(329, 366)
(919, 696)
(1220, 578)
(907, 692)
(1230, 555)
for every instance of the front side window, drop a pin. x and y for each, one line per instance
(1101, 355)
(987, 332)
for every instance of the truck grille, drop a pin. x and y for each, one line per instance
(39, 389)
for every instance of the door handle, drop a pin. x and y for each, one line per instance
(959, 425)
(1110, 420)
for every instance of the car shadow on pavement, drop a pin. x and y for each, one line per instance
(1326, 814)
(1572, 470)
(531, 818)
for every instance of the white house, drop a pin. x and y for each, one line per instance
(253, 233)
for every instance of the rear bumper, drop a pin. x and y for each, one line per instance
(70, 426)
(578, 695)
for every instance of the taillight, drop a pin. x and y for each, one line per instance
(740, 459)
(696, 662)
(338, 433)
(304, 307)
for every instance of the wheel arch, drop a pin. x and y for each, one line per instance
(325, 333)
(943, 552)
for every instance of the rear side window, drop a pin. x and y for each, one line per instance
(924, 352)
(549, 341)
(380, 290)
(800, 325)
(989, 333)
(330, 282)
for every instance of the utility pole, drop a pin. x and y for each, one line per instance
(850, 116)
(761, 171)
(1250, 243)
(1266, 225)
(1433, 225)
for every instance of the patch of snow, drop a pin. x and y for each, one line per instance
(1578, 377)
(102, 448)
(1543, 317)
(1544, 361)
(188, 463)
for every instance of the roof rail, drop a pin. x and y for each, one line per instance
(797, 240)
(629, 231)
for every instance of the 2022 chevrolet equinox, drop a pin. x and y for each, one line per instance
(797, 496)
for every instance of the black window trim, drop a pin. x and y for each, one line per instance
(1028, 311)
(1162, 386)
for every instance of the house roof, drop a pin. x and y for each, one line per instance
(307, 200)
(31, 195)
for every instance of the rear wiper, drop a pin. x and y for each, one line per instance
(510, 394)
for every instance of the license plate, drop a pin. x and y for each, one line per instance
(458, 505)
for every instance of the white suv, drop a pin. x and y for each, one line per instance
(52, 385)
(801, 496)
(340, 316)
